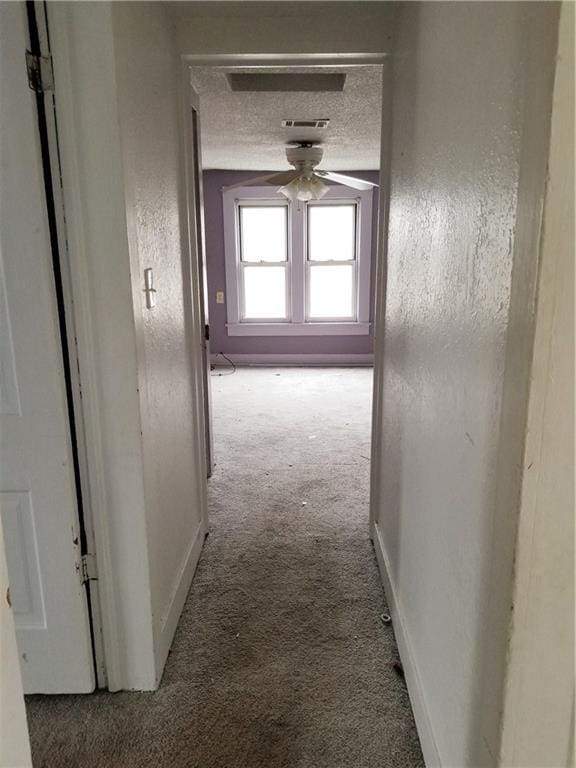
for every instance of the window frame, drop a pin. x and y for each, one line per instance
(354, 262)
(241, 264)
(298, 321)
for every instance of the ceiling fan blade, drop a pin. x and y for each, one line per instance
(348, 181)
(284, 177)
(279, 178)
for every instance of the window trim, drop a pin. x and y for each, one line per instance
(296, 322)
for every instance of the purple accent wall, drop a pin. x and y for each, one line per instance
(215, 262)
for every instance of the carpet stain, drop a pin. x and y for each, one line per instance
(280, 659)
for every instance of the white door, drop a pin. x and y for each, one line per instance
(197, 199)
(14, 742)
(37, 484)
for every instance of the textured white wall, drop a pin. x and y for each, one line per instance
(285, 27)
(117, 79)
(469, 102)
(538, 727)
(148, 79)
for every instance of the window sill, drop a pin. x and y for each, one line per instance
(298, 329)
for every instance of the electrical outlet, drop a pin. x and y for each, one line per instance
(219, 297)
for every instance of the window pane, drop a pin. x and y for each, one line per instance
(263, 232)
(264, 292)
(332, 291)
(331, 232)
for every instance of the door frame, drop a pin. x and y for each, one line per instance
(56, 214)
(379, 296)
(191, 146)
(378, 291)
(78, 302)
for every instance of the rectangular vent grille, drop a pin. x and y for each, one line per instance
(320, 123)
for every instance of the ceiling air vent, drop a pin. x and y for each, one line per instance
(318, 123)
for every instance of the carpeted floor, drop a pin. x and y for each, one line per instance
(280, 659)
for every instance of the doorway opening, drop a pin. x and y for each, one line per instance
(288, 273)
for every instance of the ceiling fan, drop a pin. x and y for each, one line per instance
(305, 182)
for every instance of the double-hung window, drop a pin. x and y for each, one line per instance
(263, 262)
(297, 268)
(331, 261)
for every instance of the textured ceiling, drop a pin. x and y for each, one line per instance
(243, 130)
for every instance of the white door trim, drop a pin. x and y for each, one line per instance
(189, 101)
(196, 246)
(379, 294)
(80, 301)
(259, 60)
(71, 341)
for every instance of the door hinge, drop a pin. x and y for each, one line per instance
(40, 73)
(206, 332)
(88, 570)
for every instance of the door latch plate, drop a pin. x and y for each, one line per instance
(40, 73)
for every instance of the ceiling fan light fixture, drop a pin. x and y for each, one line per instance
(306, 187)
(304, 182)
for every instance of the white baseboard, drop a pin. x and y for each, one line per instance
(168, 625)
(297, 360)
(415, 691)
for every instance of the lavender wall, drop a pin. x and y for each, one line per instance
(219, 340)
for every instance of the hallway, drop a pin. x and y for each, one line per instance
(280, 659)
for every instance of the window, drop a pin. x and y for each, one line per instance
(331, 261)
(263, 244)
(297, 268)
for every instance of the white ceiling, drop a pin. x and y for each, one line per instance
(243, 130)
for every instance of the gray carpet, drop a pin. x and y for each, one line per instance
(280, 659)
